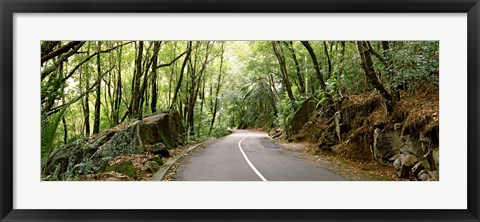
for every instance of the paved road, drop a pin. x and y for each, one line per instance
(249, 156)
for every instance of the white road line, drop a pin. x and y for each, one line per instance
(248, 161)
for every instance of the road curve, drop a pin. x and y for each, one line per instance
(247, 155)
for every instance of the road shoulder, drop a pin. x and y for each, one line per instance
(165, 170)
(352, 170)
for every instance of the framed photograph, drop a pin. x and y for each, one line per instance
(239, 110)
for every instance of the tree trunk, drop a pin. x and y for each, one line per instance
(180, 79)
(283, 70)
(64, 122)
(65, 131)
(329, 62)
(156, 49)
(217, 90)
(195, 87)
(387, 64)
(301, 83)
(342, 58)
(118, 91)
(369, 70)
(86, 110)
(385, 46)
(309, 48)
(108, 88)
(202, 103)
(271, 79)
(86, 113)
(96, 123)
(153, 105)
(170, 78)
(136, 82)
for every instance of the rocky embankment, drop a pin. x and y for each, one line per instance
(358, 127)
(125, 150)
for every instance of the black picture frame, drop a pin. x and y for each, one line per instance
(9, 7)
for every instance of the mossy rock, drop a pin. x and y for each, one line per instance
(152, 166)
(125, 168)
(149, 133)
(66, 157)
(157, 159)
(301, 117)
(165, 128)
(124, 139)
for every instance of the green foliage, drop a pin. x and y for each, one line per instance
(286, 113)
(414, 61)
(253, 91)
(219, 132)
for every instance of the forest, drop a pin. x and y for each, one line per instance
(296, 90)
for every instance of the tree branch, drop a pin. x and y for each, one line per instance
(47, 47)
(47, 70)
(93, 87)
(88, 58)
(174, 60)
(59, 51)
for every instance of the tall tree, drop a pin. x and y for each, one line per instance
(329, 62)
(217, 89)
(301, 83)
(86, 106)
(171, 77)
(369, 70)
(156, 49)
(179, 83)
(118, 89)
(283, 70)
(135, 103)
(64, 121)
(195, 82)
(153, 104)
(96, 122)
(309, 48)
(342, 58)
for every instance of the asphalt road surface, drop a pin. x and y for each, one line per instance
(249, 156)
